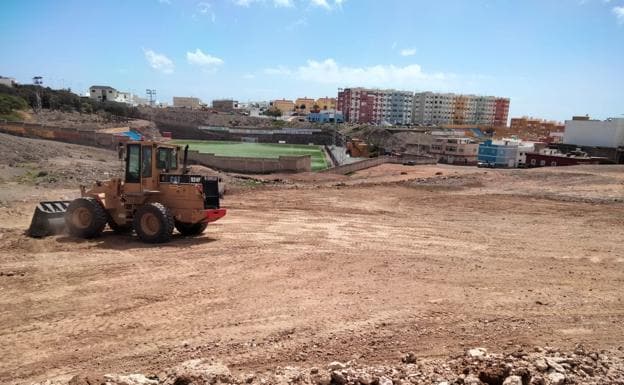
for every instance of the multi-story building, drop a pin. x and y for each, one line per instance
(326, 103)
(508, 152)
(374, 106)
(226, 105)
(527, 125)
(285, 106)
(304, 105)
(103, 93)
(432, 109)
(455, 150)
(501, 112)
(186, 102)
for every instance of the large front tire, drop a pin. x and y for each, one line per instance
(153, 223)
(85, 218)
(190, 229)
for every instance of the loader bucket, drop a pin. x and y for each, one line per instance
(48, 219)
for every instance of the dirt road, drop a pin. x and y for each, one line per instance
(315, 274)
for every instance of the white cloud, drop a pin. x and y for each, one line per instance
(276, 3)
(164, 1)
(408, 52)
(327, 4)
(159, 61)
(619, 13)
(249, 76)
(320, 3)
(283, 3)
(330, 72)
(279, 70)
(203, 7)
(203, 59)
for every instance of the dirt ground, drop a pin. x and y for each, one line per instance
(308, 269)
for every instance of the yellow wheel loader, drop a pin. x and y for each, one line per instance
(156, 194)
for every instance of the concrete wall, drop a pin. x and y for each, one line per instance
(186, 131)
(62, 134)
(372, 162)
(595, 133)
(253, 165)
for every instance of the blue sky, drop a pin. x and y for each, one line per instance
(553, 58)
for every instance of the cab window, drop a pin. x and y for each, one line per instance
(133, 163)
(167, 159)
(146, 162)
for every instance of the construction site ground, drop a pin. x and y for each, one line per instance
(311, 268)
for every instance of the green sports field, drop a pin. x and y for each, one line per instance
(257, 150)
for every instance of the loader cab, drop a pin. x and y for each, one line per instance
(145, 161)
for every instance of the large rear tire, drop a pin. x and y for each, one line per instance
(190, 229)
(85, 218)
(153, 223)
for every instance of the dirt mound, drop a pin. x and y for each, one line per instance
(45, 162)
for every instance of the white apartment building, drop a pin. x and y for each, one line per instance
(431, 108)
(103, 93)
(484, 107)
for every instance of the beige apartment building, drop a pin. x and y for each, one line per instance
(186, 102)
(284, 105)
(460, 151)
(304, 105)
(326, 103)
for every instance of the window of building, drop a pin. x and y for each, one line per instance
(542, 162)
(553, 163)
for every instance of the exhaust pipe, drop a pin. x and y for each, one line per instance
(185, 161)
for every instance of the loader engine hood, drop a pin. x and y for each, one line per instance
(209, 184)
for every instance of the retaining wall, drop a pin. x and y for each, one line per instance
(253, 165)
(62, 134)
(372, 162)
(187, 131)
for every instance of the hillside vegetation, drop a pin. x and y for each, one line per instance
(24, 97)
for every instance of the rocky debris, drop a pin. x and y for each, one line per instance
(409, 358)
(547, 366)
(476, 352)
(131, 379)
(198, 371)
(336, 365)
(556, 378)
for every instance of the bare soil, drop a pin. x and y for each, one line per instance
(306, 270)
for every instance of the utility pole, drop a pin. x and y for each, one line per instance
(37, 81)
(151, 96)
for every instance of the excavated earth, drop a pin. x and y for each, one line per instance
(309, 269)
